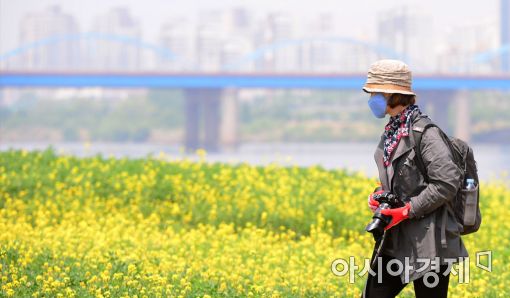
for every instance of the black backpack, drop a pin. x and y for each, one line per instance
(466, 207)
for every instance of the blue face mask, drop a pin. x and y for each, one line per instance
(377, 104)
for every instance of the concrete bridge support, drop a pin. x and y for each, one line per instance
(211, 100)
(463, 118)
(436, 104)
(449, 109)
(229, 120)
(202, 108)
(192, 126)
(215, 110)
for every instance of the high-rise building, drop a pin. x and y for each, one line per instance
(210, 33)
(318, 53)
(241, 19)
(239, 43)
(209, 45)
(276, 34)
(222, 38)
(408, 32)
(177, 37)
(505, 34)
(116, 47)
(50, 34)
(234, 53)
(463, 44)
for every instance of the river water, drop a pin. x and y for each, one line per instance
(493, 160)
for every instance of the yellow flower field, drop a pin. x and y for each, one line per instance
(105, 227)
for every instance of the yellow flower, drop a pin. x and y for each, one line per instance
(131, 269)
(155, 228)
(223, 287)
(201, 153)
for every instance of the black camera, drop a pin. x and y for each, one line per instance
(387, 200)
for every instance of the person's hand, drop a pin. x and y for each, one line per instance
(373, 204)
(397, 215)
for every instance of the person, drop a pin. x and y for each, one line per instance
(423, 237)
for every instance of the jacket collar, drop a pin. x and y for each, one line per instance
(405, 144)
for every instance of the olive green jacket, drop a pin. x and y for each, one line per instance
(431, 230)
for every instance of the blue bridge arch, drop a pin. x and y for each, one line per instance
(167, 54)
(260, 51)
(492, 54)
(162, 52)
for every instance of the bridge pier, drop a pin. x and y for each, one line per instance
(463, 119)
(212, 103)
(219, 108)
(229, 120)
(192, 126)
(441, 102)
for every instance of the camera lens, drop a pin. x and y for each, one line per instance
(376, 225)
(379, 221)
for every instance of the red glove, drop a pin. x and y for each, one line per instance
(397, 214)
(372, 203)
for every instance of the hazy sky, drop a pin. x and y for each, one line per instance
(353, 18)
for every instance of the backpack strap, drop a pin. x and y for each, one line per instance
(418, 131)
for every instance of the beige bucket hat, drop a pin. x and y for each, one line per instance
(389, 76)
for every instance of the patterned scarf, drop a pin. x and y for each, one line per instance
(397, 127)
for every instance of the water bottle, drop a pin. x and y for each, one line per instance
(470, 207)
(470, 184)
